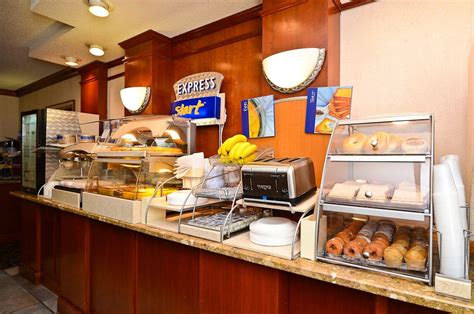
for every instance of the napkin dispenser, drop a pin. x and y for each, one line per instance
(279, 179)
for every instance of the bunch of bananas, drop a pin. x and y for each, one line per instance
(236, 149)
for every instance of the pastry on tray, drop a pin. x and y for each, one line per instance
(373, 192)
(346, 190)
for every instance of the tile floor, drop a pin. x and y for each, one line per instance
(18, 295)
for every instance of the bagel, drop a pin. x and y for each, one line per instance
(377, 143)
(353, 143)
(414, 145)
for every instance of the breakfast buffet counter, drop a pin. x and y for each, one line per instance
(384, 288)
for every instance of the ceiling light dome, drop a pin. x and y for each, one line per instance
(96, 50)
(71, 61)
(99, 8)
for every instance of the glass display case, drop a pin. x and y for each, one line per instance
(376, 195)
(131, 178)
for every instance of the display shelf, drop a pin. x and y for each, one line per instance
(242, 241)
(163, 205)
(379, 167)
(226, 193)
(401, 273)
(302, 207)
(379, 158)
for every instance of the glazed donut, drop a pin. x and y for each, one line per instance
(416, 258)
(414, 145)
(377, 143)
(353, 143)
(394, 145)
(355, 248)
(334, 246)
(374, 250)
(381, 239)
(403, 242)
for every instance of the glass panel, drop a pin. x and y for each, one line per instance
(132, 179)
(28, 147)
(401, 186)
(396, 245)
(386, 138)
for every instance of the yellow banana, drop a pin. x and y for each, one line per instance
(248, 159)
(229, 143)
(249, 150)
(240, 148)
(234, 149)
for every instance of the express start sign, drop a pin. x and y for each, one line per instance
(198, 85)
(197, 108)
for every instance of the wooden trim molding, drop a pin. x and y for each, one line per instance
(221, 24)
(350, 5)
(281, 7)
(219, 44)
(144, 37)
(7, 92)
(47, 81)
(114, 63)
(116, 76)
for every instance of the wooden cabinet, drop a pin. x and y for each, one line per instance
(30, 263)
(167, 277)
(50, 247)
(112, 269)
(10, 213)
(73, 263)
(234, 286)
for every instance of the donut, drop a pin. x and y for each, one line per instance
(355, 248)
(345, 237)
(368, 230)
(353, 143)
(334, 246)
(414, 145)
(399, 247)
(381, 239)
(377, 143)
(394, 144)
(374, 250)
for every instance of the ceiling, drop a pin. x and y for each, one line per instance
(36, 34)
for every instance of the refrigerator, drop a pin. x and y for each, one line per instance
(39, 129)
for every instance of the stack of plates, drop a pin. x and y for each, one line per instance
(272, 231)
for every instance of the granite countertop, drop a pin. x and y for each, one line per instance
(376, 283)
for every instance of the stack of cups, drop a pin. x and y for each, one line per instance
(452, 161)
(448, 222)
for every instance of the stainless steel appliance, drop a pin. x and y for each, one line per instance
(279, 179)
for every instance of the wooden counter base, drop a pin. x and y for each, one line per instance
(97, 264)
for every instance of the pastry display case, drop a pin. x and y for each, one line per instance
(376, 196)
(116, 186)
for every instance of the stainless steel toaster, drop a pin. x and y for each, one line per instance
(279, 179)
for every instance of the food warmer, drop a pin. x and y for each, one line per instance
(135, 159)
(376, 196)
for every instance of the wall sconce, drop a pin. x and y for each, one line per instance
(135, 99)
(293, 70)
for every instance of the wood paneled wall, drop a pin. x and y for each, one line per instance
(235, 47)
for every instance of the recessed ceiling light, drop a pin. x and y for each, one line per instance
(99, 8)
(71, 61)
(96, 50)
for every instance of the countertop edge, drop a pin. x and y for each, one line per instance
(312, 269)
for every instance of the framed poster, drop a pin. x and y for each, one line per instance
(258, 117)
(326, 105)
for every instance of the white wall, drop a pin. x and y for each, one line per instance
(115, 108)
(414, 56)
(9, 117)
(54, 94)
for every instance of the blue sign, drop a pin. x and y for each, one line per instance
(197, 108)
